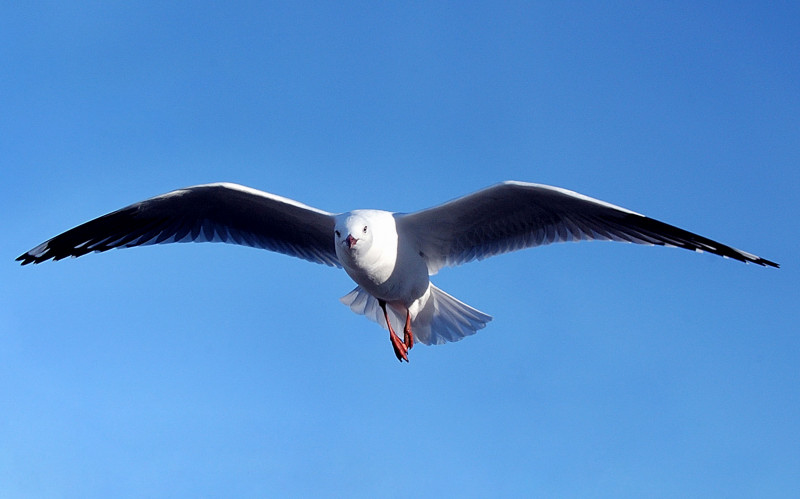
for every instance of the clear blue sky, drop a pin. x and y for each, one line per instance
(610, 370)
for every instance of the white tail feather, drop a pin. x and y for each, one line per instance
(442, 318)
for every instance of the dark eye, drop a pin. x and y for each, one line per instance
(338, 234)
(365, 229)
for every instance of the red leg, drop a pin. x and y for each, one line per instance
(400, 349)
(408, 336)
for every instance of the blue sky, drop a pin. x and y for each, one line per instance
(610, 370)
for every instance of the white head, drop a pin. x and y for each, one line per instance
(365, 235)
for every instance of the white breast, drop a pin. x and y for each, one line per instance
(382, 262)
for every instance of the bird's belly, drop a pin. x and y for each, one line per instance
(401, 284)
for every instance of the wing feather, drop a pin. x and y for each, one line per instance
(205, 213)
(516, 215)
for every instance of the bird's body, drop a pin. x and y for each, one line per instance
(391, 270)
(390, 256)
(379, 259)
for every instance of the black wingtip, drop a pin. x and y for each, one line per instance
(750, 258)
(767, 263)
(25, 259)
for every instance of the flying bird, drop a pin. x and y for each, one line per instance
(390, 256)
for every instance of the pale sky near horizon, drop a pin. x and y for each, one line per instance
(211, 370)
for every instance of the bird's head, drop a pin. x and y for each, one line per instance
(364, 234)
(352, 234)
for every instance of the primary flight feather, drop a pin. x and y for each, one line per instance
(389, 255)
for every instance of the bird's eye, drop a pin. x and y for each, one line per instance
(338, 234)
(365, 229)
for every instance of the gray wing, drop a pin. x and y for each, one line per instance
(516, 215)
(222, 212)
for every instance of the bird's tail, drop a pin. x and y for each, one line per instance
(440, 319)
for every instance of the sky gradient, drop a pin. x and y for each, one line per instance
(609, 370)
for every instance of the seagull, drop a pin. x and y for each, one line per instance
(390, 256)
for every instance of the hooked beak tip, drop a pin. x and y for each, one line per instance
(351, 241)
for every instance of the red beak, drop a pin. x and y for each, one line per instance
(351, 241)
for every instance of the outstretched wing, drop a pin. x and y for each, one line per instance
(221, 212)
(516, 215)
